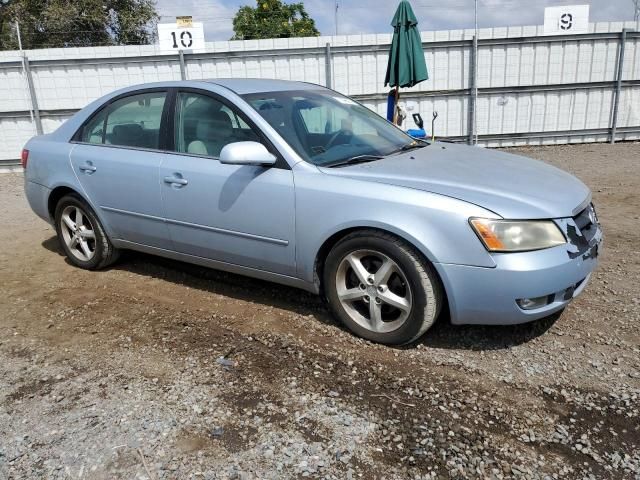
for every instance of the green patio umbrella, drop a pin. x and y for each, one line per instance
(406, 66)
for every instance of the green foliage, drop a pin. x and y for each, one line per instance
(273, 19)
(66, 23)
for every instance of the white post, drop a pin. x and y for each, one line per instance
(19, 36)
(475, 74)
(475, 23)
(34, 113)
(616, 92)
(32, 94)
(472, 93)
(327, 66)
(336, 17)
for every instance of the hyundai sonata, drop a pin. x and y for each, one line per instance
(297, 184)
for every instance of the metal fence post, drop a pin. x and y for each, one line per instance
(473, 92)
(32, 94)
(183, 69)
(18, 35)
(616, 93)
(327, 65)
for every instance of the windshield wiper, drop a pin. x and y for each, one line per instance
(412, 146)
(355, 160)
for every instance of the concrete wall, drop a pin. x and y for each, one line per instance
(533, 89)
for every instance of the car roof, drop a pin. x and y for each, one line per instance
(240, 86)
(243, 86)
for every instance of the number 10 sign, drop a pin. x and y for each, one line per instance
(173, 38)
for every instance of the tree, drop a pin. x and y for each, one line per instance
(273, 19)
(66, 23)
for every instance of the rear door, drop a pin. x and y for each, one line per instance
(238, 214)
(117, 159)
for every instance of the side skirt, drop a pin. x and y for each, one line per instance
(218, 265)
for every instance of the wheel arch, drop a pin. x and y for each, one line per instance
(59, 191)
(338, 235)
(56, 195)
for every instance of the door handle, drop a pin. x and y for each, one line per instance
(176, 181)
(87, 168)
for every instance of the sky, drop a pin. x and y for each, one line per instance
(373, 16)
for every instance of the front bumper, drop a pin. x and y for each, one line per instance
(487, 296)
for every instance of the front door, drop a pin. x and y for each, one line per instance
(243, 215)
(117, 160)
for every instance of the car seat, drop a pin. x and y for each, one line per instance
(212, 135)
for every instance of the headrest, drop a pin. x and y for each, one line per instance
(345, 124)
(128, 130)
(217, 125)
(274, 114)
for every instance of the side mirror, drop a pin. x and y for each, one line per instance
(246, 153)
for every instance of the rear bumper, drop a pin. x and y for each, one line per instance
(38, 198)
(487, 296)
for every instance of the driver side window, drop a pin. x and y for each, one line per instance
(204, 125)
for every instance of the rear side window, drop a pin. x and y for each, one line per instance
(132, 121)
(93, 132)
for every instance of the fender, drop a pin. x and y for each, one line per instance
(435, 225)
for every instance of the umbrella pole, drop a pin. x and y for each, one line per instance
(395, 107)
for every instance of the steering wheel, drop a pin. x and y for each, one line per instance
(334, 138)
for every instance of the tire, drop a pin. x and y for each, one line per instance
(401, 305)
(99, 253)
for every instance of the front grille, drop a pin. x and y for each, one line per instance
(586, 222)
(583, 219)
(581, 231)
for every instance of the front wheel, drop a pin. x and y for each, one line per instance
(81, 235)
(381, 288)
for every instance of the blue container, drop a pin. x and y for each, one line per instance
(417, 133)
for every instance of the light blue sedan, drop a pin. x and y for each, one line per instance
(295, 183)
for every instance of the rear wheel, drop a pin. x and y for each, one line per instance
(81, 234)
(381, 288)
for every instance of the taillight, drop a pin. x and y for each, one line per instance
(24, 157)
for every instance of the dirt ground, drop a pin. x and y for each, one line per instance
(160, 370)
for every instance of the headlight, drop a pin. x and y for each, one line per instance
(517, 235)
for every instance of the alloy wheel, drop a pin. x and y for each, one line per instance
(373, 290)
(78, 233)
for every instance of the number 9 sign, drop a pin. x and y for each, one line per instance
(566, 19)
(173, 38)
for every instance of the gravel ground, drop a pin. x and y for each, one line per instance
(160, 370)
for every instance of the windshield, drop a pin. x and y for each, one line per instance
(326, 128)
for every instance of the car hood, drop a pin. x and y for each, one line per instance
(508, 185)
